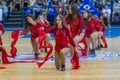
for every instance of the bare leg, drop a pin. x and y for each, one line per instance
(35, 47)
(99, 38)
(93, 37)
(78, 38)
(47, 39)
(57, 60)
(63, 54)
(71, 50)
(88, 43)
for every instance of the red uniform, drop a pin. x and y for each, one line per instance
(45, 25)
(99, 24)
(1, 29)
(75, 26)
(90, 26)
(98, 28)
(61, 37)
(34, 29)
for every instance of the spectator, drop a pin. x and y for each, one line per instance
(72, 1)
(100, 6)
(36, 10)
(79, 3)
(32, 2)
(3, 5)
(106, 14)
(17, 4)
(9, 3)
(116, 10)
(44, 7)
(11, 6)
(39, 2)
(25, 3)
(54, 2)
(60, 9)
(94, 3)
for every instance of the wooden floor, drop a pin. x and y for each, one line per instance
(97, 70)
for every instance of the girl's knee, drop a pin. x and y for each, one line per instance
(94, 35)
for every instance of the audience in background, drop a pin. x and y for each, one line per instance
(106, 14)
(62, 6)
(116, 11)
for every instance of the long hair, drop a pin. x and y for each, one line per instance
(62, 19)
(88, 17)
(75, 12)
(26, 23)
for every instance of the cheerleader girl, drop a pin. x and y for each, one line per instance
(90, 30)
(45, 24)
(74, 22)
(30, 25)
(100, 27)
(62, 35)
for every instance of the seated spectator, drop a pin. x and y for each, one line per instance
(25, 3)
(3, 5)
(17, 5)
(79, 3)
(100, 6)
(39, 2)
(54, 2)
(94, 3)
(36, 10)
(67, 2)
(11, 6)
(116, 10)
(60, 8)
(106, 14)
(72, 1)
(44, 7)
(32, 2)
(8, 2)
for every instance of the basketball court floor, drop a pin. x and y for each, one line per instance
(105, 66)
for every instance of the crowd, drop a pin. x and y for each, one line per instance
(103, 6)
